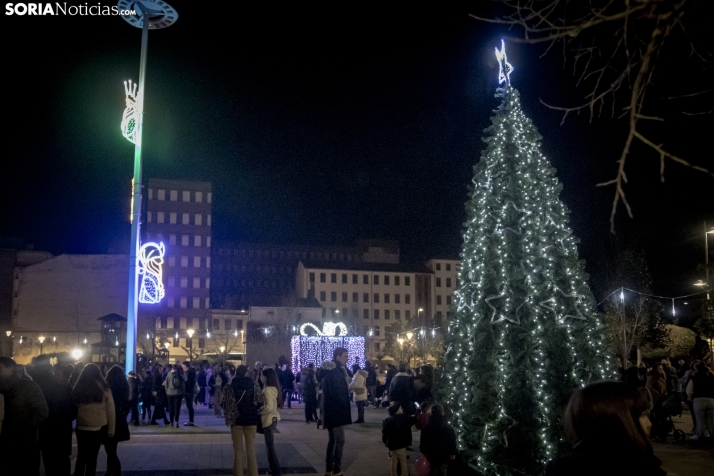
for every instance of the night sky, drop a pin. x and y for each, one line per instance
(316, 126)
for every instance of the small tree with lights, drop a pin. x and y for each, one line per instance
(524, 332)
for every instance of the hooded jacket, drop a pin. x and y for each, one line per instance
(358, 386)
(336, 396)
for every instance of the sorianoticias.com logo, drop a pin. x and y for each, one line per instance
(62, 9)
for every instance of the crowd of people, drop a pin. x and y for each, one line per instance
(41, 405)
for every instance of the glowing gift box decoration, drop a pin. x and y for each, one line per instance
(317, 349)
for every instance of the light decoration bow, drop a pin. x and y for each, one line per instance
(504, 67)
(328, 329)
(129, 119)
(151, 259)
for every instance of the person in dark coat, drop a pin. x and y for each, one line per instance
(371, 383)
(134, 397)
(401, 390)
(287, 383)
(55, 435)
(147, 399)
(337, 412)
(438, 442)
(422, 392)
(244, 395)
(309, 394)
(608, 423)
(397, 435)
(189, 393)
(160, 400)
(25, 410)
(119, 386)
(201, 380)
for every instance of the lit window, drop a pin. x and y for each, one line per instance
(184, 240)
(208, 283)
(161, 194)
(172, 218)
(173, 195)
(151, 194)
(159, 217)
(208, 220)
(208, 303)
(171, 302)
(172, 261)
(197, 219)
(184, 281)
(209, 197)
(208, 241)
(172, 239)
(172, 281)
(149, 216)
(197, 240)
(199, 197)
(184, 261)
(185, 218)
(186, 196)
(196, 283)
(196, 303)
(208, 261)
(197, 261)
(184, 302)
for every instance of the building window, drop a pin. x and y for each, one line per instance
(407, 299)
(396, 280)
(365, 297)
(197, 219)
(208, 241)
(311, 277)
(386, 314)
(354, 279)
(209, 197)
(184, 282)
(196, 303)
(172, 218)
(151, 194)
(172, 281)
(397, 314)
(407, 280)
(149, 216)
(386, 280)
(438, 315)
(386, 299)
(171, 302)
(355, 297)
(448, 282)
(438, 266)
(333, 277)
(208, 283)
(365, 313)
(186, 196)
(438, 300)
(216, 324)
(201, 343)
(177, 342)
(184, 302)
(196, 283)
(185, 218)
(173, 195)
(172, 239)
(159, 217)
(323, 277)
(448, 267)
(376, 298)
(197, 261)
(227, 324)
(333, 312)
(199, 197)
(376, 346)
(197, 240)
(365, 279)
(438, 282)
(161, 194)
(397, 299)
(208, 261)
(407, 314)
(184, 261)
(344, 297)
(333, 296)
(448, 300)
(172, 261)
(376, 279)
(376, 331)
(376, 313)
(344, 278)
(184, 240)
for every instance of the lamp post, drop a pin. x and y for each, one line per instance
(242, 341)
(168, 354)
(153, 15)
(223, 356)
(42, 341)
(190, 344)
(9, 340)
(706, 254)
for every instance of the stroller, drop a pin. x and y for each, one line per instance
(661, 415)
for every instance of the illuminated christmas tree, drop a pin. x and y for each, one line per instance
(524, 332)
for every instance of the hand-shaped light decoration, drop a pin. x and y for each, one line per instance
(151, 259)
(129, 119)
(504, 67)
(328, 329)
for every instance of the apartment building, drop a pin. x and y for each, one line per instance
(367, 297)
(178, 213)
(446, 272)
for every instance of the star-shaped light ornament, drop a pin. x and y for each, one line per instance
(552, 305)
(504, 67)
(497, 315)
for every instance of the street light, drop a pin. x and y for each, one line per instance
(42, 340)
(168, 354)
(706, 254)
(223, 355)
(242, 340)
(190, 344)
(153, 15)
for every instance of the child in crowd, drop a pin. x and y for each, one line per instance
(438, 442)
(397, 435)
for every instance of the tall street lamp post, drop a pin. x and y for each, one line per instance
(223, 356)
(9, 340)
(152, 15)
(190, 344)
(42, 341)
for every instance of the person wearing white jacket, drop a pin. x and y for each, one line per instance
(358, 387)
(269, 417)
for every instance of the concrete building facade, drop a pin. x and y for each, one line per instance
(446, 282)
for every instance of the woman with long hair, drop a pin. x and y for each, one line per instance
(159, 393)
(241, 401)
(608, 423)
(174, 383)
(119, 386)
(269, 416)
(96, 418)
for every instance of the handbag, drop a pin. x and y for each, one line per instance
(231, 412)
(196, 389)
(360, 391)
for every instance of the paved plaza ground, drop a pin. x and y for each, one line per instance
(206, 449)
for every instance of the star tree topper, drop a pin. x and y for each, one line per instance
(504, 67)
